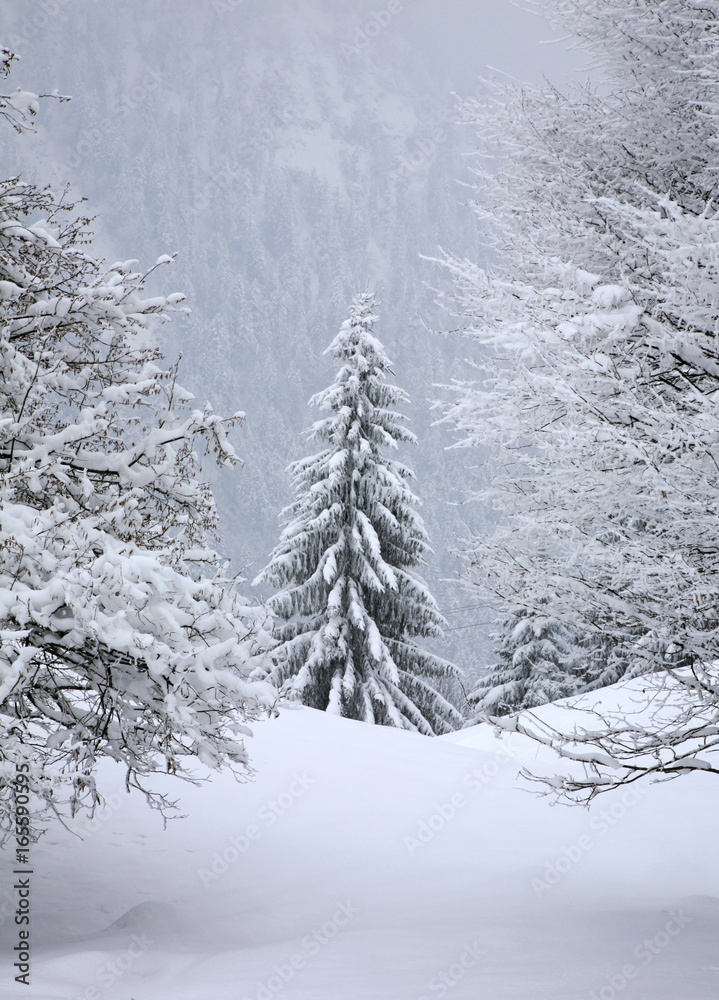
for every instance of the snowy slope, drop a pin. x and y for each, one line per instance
(369, 862)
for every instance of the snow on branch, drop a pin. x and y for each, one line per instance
(120, 634)
(594, 390)
(20, 107)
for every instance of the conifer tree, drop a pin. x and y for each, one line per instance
(544, 655)
(345, 564)
(539, 661)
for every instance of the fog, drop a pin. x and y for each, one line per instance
(291, 154)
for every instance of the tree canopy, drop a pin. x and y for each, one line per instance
(597, 377)
(119, 635)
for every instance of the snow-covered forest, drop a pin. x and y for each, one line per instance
(358, 475)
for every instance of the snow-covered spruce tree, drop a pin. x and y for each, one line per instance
(597, 386)
(539, 661)
(117, 635)
(542, 658)
(344, 567)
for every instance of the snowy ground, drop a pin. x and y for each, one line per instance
(370, 863)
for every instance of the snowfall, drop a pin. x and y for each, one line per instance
(367, 862)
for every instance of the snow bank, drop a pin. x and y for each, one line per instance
(370, 862)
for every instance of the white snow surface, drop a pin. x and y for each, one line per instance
(376, 863)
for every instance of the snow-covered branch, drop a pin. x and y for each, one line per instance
(119, 635)
(595, 390)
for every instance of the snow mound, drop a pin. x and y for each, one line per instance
(372, 862)
(158, 919)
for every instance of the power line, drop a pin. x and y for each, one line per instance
(466, 607)
(455, 628)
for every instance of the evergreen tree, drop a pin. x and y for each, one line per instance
(344, 566)
(543, 658)
(539, 661)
